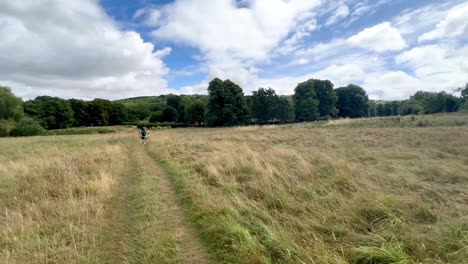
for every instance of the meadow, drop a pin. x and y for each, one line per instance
(376, 190)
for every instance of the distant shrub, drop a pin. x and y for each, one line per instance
(156, 117)
(28, 127)
(6, 126)
(422, 123)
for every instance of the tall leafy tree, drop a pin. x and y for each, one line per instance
(226, 104)
(118, 113)
(169, 114)
(195, 113)
(305, 102)
(326, 97)
(235, 111)
(285, 110)
(11, 107)
(352, 101)
(214, 110)
(80, 112)
(264, 104)
(51, 112)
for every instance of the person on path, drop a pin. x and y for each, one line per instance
(143, 135)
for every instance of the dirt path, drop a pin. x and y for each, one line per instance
(146, 223)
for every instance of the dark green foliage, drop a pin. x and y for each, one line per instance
(215, 107)
(153, 107)
(11, 107)
(285, 110)
(431, 103)
(156, 117)
(28, 127)
(352, 101)
(173, 101)
(118, 113)
(99, 112)
(226, 104)
(372, 108)
(169, 114)
(51, 112)
(326, 97)
(195, 113)
(264, 105)
(80, 112)
(138, 111)
(305, 102)
(6, 126)
(380, 109)
(388, 110)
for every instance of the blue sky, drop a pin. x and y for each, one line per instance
(117, 48)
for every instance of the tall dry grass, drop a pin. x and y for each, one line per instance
(52, 196)
(299, 194)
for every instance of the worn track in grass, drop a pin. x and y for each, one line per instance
(145, 223)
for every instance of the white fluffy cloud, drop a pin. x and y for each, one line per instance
(222, 27)
(73, 49)
(340, 13)
(455, 25)
(379, 38)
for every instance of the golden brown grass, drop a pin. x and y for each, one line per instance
(52, 196)
(299, 194)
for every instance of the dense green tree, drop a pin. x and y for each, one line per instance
(138, 111)
(6, 126)
(215, 107)
(118, 113)
(156, 117)
(50, 112)
(352, 101)
(285, 110)
(99, 112)
(305, 102)
(11, 107)
(372, 108)
(326, 97)
(195, 113)
(380, 109)
(173, 101)
(226, 104)
(388, 110)
(169, 114)
(407, 108)
(430, 102)
(27, 126)
(264, 104)
(80, 112)
(153, 107)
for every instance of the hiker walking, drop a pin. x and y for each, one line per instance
(143, 135)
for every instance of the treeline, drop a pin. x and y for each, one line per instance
(225, 105)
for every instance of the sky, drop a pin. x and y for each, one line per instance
(117, 48)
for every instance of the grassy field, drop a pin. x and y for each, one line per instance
(359, 191)
(347, 191)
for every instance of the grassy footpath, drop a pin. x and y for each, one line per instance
(144, 221)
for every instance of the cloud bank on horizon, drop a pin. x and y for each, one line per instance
(116, 49)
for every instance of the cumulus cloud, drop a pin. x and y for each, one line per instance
(454, 25)
(74, 50)
(340, 13)
(379, 38)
